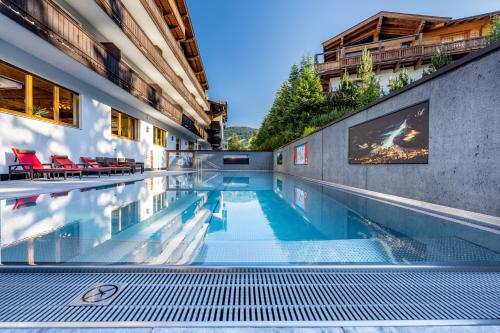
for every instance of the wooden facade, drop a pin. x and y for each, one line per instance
(398, 39)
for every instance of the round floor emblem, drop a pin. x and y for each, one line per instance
(100, 293)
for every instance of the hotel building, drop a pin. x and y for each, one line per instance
(111, 78)
(398, 40)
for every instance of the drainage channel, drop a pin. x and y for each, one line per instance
(158, 296)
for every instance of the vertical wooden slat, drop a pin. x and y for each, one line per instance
(29, 95)
(56, 104)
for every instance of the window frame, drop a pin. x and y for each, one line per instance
(28, 102)
(130, 120)
(163, 136)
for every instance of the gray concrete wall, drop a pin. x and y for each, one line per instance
(212, 159)
(464, 142)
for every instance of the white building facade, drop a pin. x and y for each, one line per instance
(60, 94)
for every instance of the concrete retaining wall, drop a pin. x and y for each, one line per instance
(464, 141)
(211, 160)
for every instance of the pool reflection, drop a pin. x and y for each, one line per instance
(230, 219)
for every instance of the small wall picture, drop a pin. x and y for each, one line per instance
(279, 158)
(401, 137)
(300, 198)
(237, 159)
(301, 154)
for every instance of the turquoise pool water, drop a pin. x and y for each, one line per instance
(231, 219)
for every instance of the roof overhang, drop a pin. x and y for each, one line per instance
(375, 23)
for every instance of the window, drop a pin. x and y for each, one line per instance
(455, 37)
(190, 145)
(123, 125)
(160, 137)
(23, 93)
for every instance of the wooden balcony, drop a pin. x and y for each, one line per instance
(154, 12)
(418, 53)
(48, 21)
(120, 15)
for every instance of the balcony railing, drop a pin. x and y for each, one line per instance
(117, 11)
(154, 12)
(401, 54)
(51, 23)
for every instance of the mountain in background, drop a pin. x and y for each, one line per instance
(244, 133)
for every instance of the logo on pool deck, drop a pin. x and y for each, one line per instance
(100, 294)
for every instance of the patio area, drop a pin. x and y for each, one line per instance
(25, 187)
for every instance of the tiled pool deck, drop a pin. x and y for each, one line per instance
(325, 329)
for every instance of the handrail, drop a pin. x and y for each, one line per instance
(401, 53)
(118, 13)
(51, 23)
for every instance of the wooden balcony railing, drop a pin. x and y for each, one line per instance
(402, 54)
(121, 16)
(157, 17)
(47, 20)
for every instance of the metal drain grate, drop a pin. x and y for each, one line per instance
(251, 295)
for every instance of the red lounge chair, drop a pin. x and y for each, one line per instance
(25, 202)
(64, 161)
(30, 164)
(93, 164)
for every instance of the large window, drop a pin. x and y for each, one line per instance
(123, 125)
(160, 137)
(23, 93)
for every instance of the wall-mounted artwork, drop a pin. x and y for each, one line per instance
(279, 158)
(237, 159)
(301, 154)
(397, 138)
(300, 198)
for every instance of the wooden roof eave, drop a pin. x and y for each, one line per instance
(417, 17)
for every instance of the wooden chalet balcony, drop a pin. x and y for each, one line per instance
(48, 21)
(401, 55)
(118, 13)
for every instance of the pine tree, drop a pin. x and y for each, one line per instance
(368, 88)
(440, 59)
(399, 81)
(235, 143)
(494, 31)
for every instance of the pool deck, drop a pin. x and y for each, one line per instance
(388, 329)
(21, 188)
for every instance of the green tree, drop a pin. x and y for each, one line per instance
(345, 96)
(298, 99)
(399, 81)
(368, 86)
(440, 59)
(494, 31)
(234, 143)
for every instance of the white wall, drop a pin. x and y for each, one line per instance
(93, 137)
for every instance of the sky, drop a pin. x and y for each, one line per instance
(248, 46)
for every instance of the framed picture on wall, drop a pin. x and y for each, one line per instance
(401, 137)
(279, 158)
(301, 154)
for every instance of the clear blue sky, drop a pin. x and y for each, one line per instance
(248, 46)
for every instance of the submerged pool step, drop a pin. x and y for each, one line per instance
(247, 295)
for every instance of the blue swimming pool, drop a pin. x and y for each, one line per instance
(210, 218)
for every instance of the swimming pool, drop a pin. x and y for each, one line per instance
(210, 218)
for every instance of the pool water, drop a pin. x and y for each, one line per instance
(209, 218)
